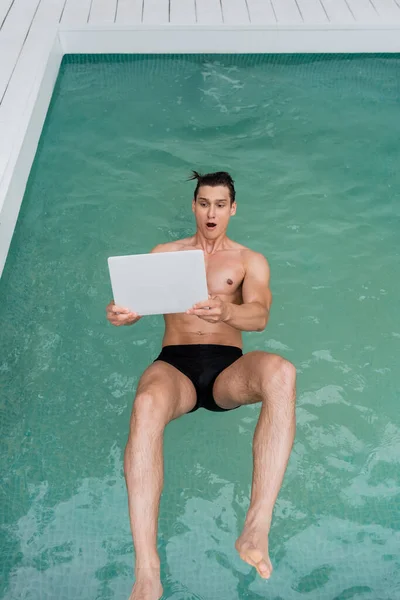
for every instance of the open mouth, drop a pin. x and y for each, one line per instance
(211, 225)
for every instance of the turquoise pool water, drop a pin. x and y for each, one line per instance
(313, 145)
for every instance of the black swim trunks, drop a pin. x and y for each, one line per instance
(202, 363)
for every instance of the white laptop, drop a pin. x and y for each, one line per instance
(158, 283)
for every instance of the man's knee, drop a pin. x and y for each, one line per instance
(279, 371)
(287, 372)
(151, 408)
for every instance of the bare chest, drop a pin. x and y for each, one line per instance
(224, 274)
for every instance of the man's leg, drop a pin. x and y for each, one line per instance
(270, 379)
(163, 394)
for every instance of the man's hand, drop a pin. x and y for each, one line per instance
(213, 310)
(118, 315)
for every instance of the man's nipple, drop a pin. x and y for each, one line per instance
(229, 281)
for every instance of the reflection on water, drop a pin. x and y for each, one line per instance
(84, 543)
(109, 178)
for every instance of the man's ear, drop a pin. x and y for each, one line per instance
(233, 209)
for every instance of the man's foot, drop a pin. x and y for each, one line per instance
(146, 589)
(252, 546)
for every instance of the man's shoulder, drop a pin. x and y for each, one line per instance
(245, 250)
(249, 258)
(254, 260)
(248, 254)
(174, 246)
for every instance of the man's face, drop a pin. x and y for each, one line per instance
(212, 210)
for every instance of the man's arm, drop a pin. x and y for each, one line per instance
(159, 248)
(253, 314)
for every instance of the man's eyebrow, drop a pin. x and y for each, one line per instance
(222, 199)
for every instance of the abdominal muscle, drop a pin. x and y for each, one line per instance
(190, 329)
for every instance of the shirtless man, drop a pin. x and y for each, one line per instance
(201, 365)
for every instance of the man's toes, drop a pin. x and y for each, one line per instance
(251, 555)
(263, 569)
(254, 557)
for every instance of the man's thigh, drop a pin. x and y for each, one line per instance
(165, 389)
(241, 382)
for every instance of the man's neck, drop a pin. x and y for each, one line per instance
(210, 246)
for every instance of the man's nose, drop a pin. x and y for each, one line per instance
(211, 212)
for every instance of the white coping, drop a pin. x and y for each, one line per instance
(35, 35)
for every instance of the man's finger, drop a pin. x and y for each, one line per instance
(201, 304)
(203, 312)
(204, 304)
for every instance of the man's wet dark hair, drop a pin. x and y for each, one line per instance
(214, 179)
